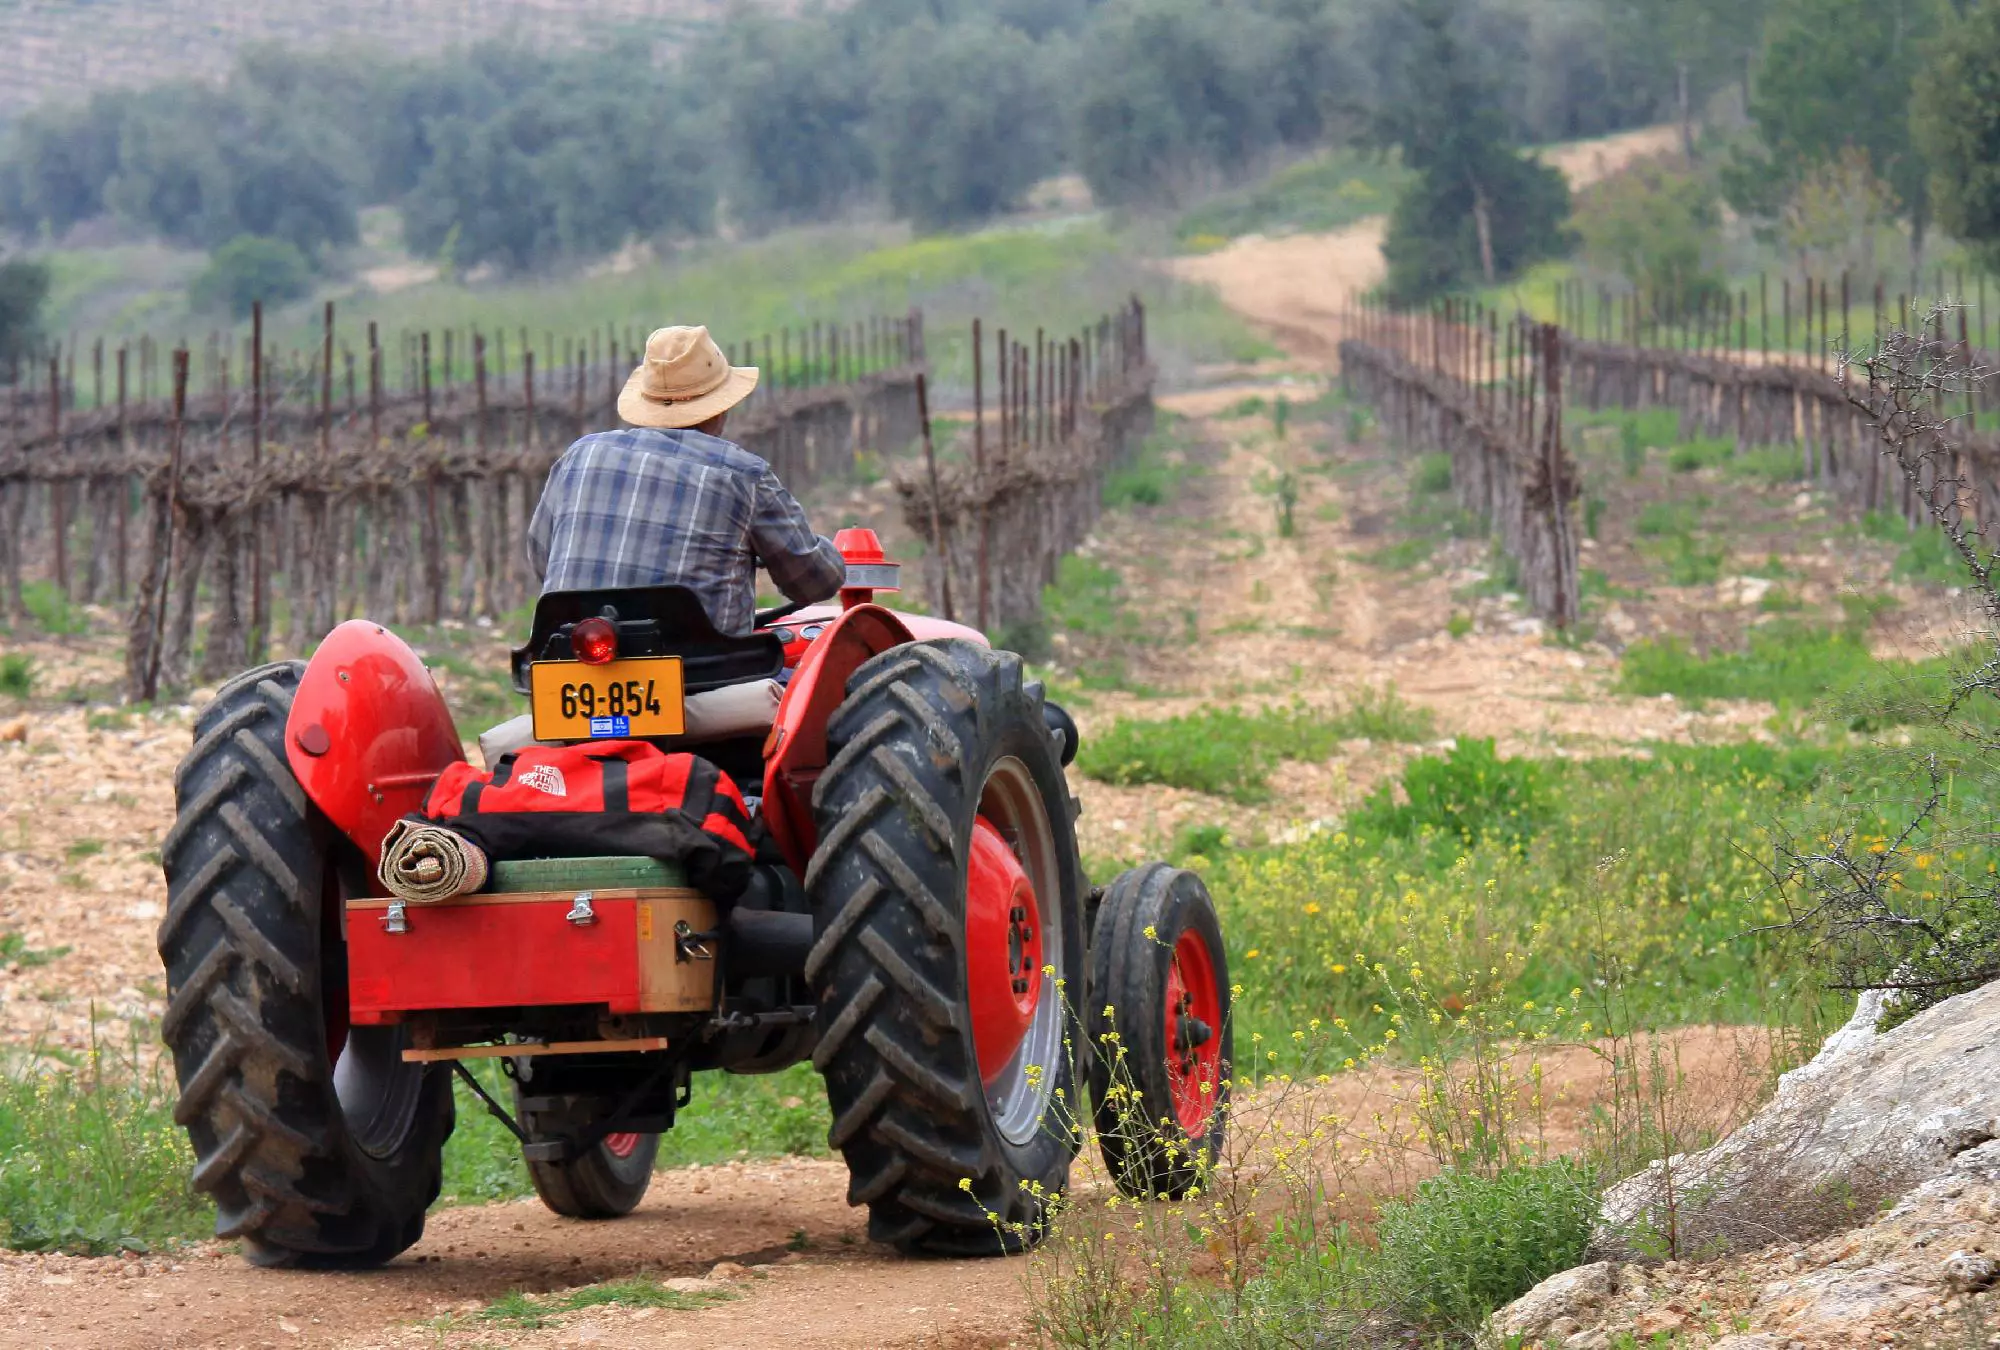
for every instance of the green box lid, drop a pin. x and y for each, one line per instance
(584, 874)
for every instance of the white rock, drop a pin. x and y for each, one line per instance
(1903, 1106)
(1969, 1272)
(1573, 1294)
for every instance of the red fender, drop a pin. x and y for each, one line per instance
(369, 732)
(796, 750)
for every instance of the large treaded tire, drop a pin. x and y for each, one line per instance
(250, 937)
(911, 750)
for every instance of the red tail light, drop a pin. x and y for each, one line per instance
(595, 641)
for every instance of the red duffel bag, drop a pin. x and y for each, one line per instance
(604, 798)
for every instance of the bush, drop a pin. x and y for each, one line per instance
(248, 269)
(17, 674)
(1469, 792)
(1660, 227)
(1466, 1244)
(24, 289)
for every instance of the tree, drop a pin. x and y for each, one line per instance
(1690, 47)
(1837, 74)
(248, 269)
(793, 103)
(1178, 93)
(1955, 126)
(954, 127)
(1658, 226)
(24, 289)
(1477, 208)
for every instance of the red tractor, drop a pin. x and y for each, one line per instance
(930, 942)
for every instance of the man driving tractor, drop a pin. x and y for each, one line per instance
(669, 501)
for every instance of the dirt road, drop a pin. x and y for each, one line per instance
(1294, 286)
(774, 1242)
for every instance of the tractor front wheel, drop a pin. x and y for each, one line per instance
(319, 1145)
(1159, 1027)
(949, 899)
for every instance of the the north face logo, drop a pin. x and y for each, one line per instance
(546, 778)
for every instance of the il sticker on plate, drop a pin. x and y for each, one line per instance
(610, 726)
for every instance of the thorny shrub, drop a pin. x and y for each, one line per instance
(1897, 886)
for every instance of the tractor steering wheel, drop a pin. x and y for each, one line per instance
(766, 617)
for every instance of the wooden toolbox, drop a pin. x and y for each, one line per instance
(626, 933)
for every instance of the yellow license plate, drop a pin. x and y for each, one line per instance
(631, 699)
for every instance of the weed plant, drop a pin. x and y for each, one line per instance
(17, 675)
(91, 1160)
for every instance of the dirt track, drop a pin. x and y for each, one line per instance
(1295, 286)
(799, 1271)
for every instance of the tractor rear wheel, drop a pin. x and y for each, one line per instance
(1159, 1029)
(949, 900)
(318, 1144)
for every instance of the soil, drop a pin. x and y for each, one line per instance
(776, 1237)
(85, 795)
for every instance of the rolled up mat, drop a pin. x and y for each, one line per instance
(425, 863)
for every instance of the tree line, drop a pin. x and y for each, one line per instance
(942, 111)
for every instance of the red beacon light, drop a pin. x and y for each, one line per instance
(868, 568)
(595, 641)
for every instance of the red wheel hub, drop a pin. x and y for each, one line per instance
(621, 1145)
(1003, 949)
(1194, 1033)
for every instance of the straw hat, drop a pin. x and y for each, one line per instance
(684, 381)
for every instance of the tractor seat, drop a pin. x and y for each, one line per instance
(651, 621)
(731, 682)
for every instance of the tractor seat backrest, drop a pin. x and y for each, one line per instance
(652, 621)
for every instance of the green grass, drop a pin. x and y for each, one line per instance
(1402, 555)
(1431, 474)
(1657, 519)
(91, 1160)
(732, 1115)
(1158, 469)
(1056, 277)
(1688, 559)
(15, 951)
(17, 675)
(1508, 887)
(1788, 662)
(1326, 192)
(1701, 452)
(532, 1312)
(1230, 753)
(1925, 555)
(1775, 465)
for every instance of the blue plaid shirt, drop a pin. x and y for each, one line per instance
(650, 507)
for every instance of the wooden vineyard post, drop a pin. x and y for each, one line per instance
(260, 572)
(58, 488)
(937, 510)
